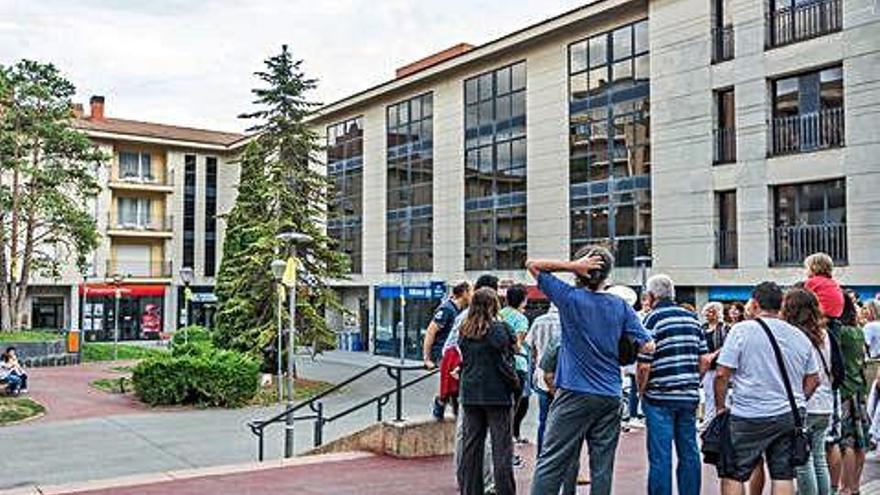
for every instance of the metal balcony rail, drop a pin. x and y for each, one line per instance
(802, 22)
(139, 268)
(722, 43)
(321, 418)
(726, 250)
(807, 132)
(147, 180)
(790, 245)
(152, 223)
(724, 141)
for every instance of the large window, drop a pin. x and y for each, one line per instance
(725, 127)
(410, 180)
(134, 213)
(495, 169)
(610, 149)
(726, 254)
(189, 210)
(808, 218)
(345, 169)
(790, 21)
(210, 216)
(807, 112)
(135, 167)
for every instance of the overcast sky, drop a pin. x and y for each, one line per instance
(191, 62)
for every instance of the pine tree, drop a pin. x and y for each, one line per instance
(281, 189)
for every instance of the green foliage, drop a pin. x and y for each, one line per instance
(31, 336)
(15, 409)
(280, 190)
(47, 174)
(103, 351)
(119, 385)
(192, 333)
(197, 373)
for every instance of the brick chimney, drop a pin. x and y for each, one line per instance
(77, 109)
(96, 104)
(433, 59)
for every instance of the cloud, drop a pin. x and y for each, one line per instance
(191, 62)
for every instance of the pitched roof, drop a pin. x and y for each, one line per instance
(160, 131)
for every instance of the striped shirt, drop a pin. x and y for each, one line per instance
(675, 365)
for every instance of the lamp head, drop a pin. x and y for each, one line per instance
(187, 275)
(278, 267)
(294, 238)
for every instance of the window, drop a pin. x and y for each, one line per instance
(135, 167)
(495, 169)
(808, 218)
(409, 199)
(345, 169)
(609, 142)
(134, 213)
(725, 127)
(790, 21)
(210, 216)
(47, 313)
(726, 254)
(807, 112)
(189, 211)
(722, 31)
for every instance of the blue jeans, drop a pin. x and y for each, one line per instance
(543, 408)
(668, 425)
(813, 477)
(633, 398)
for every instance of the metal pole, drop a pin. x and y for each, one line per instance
(402, 318)
(278, 306)
(291, 351)
(185, 312)
(116, 324)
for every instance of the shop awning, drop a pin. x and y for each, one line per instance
(101, 290)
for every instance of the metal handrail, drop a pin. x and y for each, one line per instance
(394, 371)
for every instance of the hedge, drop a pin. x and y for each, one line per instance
(192, 333)
(197, 374)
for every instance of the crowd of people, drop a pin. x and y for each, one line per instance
(778, 386)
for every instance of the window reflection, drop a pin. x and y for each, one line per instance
(345, 171)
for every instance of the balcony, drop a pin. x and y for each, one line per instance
(724, 143)
(807, 132)
(139, 269)
(790, 245)
(726, 250)
(153, 226)
(142, 183)
(803, 22)
(722, 44)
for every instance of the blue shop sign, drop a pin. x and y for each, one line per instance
(433, 290)
(730, 293)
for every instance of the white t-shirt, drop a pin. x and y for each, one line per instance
(822, 401)
(757, 387)
(872, 339)
(546, 331)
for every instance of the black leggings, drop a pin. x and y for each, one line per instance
(522, 407)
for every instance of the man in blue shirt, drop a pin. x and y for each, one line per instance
(588, 383)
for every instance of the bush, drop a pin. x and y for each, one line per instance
(197, 373)
(192, 333)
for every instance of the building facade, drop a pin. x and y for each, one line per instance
(163, 191)
(718, 141)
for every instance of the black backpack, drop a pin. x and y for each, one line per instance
(838, 371)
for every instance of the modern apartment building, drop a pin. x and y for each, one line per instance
(163, 190)
(718, 141)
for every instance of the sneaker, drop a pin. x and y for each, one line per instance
(438, 410)
(636, 423)
(518, 462)
(23, 391)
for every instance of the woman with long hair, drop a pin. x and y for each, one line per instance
(488, 386)
(800, 308)
(736, 313)
(714, 331)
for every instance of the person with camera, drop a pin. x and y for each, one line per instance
(586, 405)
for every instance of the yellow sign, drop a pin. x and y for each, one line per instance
(289, 278)
(188, 294)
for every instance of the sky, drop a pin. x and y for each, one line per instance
(191, 63)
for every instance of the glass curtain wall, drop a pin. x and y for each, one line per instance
(345, 168)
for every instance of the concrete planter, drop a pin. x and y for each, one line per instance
(38, 354)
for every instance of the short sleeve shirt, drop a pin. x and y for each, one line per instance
(444, 317)
(519, 325)
(872, 339)
(757, 387)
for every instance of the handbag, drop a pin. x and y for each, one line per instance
(800, 444)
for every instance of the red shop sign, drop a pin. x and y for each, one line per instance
(99, 290)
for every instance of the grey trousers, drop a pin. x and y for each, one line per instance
(478, 422)
(575, 417)
(488, 477)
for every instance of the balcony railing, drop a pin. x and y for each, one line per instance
(807, 132)
(722, 44)
(726, 250)
(145, 180)
(803, 22)
(139, 268)
(724, 140)
(154, 223)
(790, 245)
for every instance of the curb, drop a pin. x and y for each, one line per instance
(183, 474)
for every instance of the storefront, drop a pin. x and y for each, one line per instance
(420, 303)
(141, 309)
(202, 306)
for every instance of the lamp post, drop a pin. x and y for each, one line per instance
(292, 239)
(278, 268)
(402, 331)
(186, 276)
(117, 281)
(642, 262)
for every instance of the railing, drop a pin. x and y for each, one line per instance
(149, 180)
(726, 250)
(139, 269)
(724, 140)
(316, 406)
(155, 223)
(722, 43)
(807, 132)
(802, 22)
(790, 245)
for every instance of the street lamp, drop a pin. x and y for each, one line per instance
(278, 268)
(117, 281)
(186, 276)
(402, 332)
(292, 239)
(642, 262)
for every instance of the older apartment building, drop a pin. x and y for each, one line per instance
(163, 189)
(719, 141)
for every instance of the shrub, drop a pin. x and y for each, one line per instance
(196, 373)
(192, 348)
(103, 351)
(192, 333)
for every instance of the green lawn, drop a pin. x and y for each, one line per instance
(113, 386)
(303, 390)
(30, 336)
(15, 409)
(103, 351)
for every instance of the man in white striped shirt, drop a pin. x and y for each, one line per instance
(544, 333)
